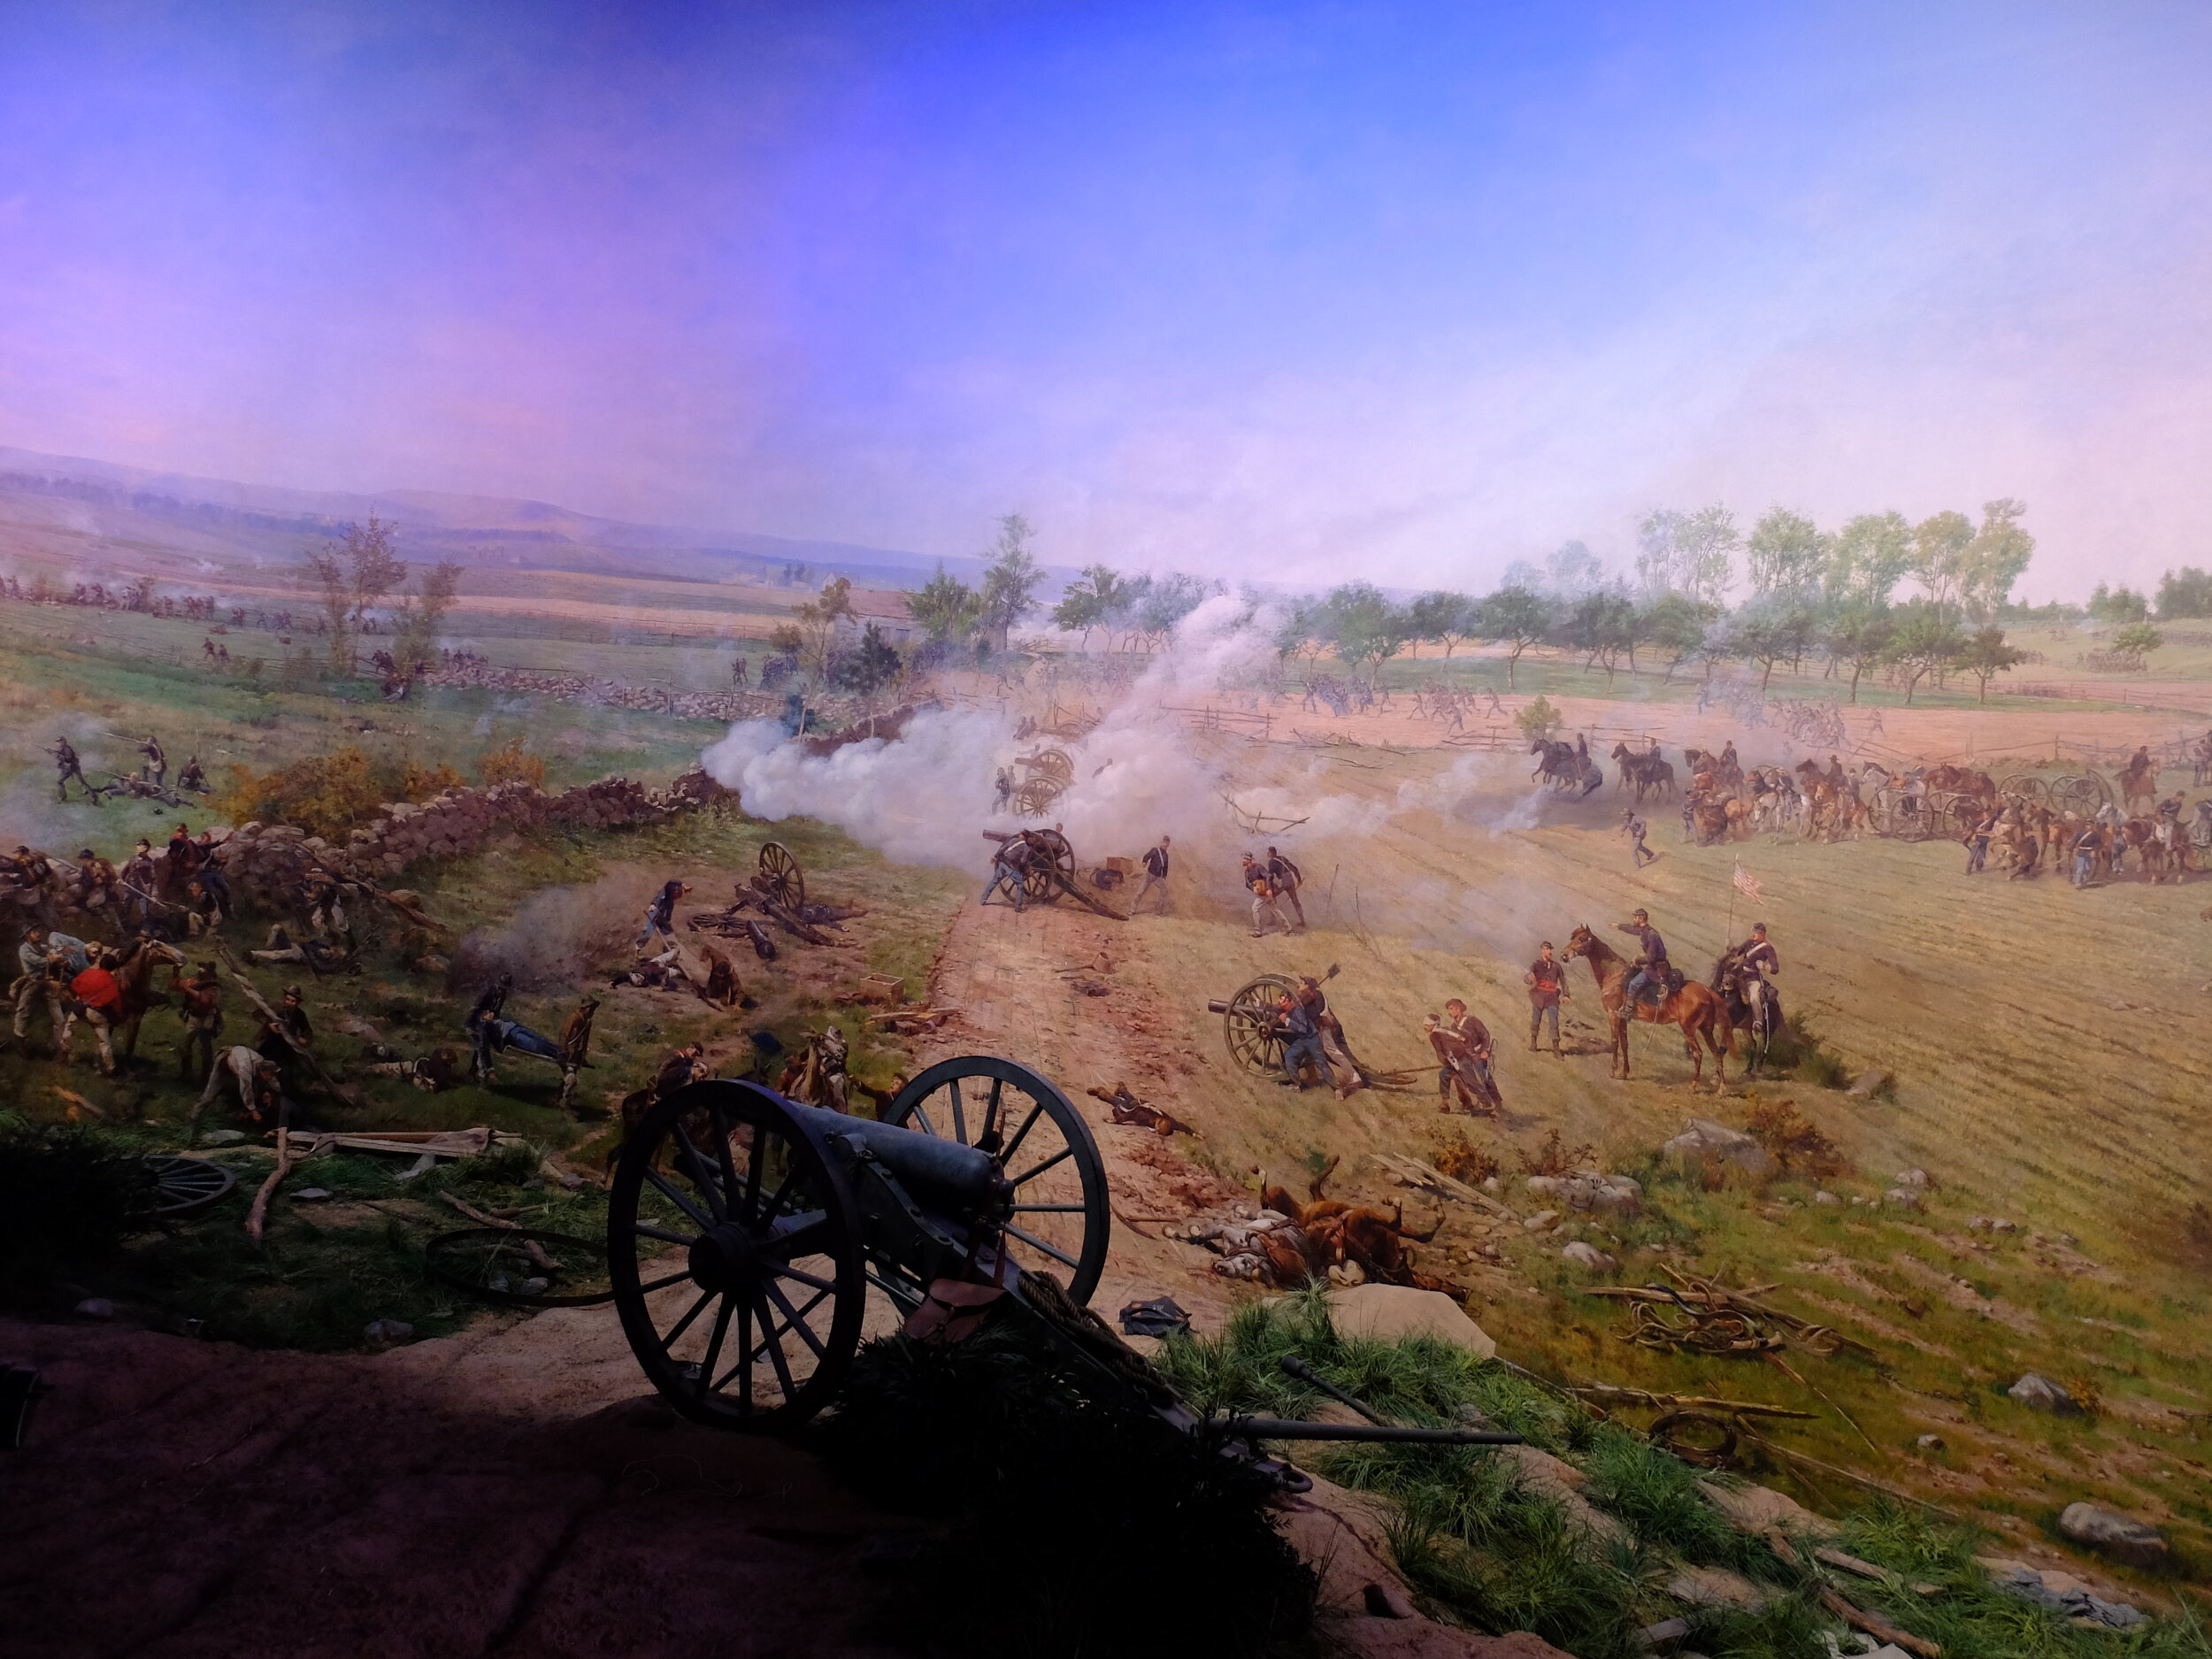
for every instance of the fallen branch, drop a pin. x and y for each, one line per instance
(1875, 1625)
(347, 1096)
(480, 1217)
(1608, 1393)
(257, 1217)
(1412, 1172)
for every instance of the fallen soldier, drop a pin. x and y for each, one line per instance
(656, 973)
(1127, 1109)
(435, 1073)
(336, 954)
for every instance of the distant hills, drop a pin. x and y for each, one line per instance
(128, 520)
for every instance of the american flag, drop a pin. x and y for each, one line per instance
(1748, 884)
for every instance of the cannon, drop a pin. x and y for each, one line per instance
(1052, 870)
(751, 1242)
(781, 877)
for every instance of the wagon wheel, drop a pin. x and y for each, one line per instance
(496, 1264)
(1249, 1026)
(1055, 763)
(2027, 787)
(184, 1187)
(733, 1246)
(1061, 1219)
(786, 881)
(2083, 794)
(1048, 851)
(1036, 797)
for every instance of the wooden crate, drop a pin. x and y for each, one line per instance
(881, 988)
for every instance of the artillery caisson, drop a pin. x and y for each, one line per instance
(747, 1235)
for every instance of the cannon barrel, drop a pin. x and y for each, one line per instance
(940, 1167)
(1290, 1429)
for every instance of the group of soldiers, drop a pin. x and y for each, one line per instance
(149, 782)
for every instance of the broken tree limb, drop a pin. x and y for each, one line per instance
(370, 887)
(1413, 1173)
(478, 1216)
(349, 1096)
(1875, 1625)
(257, 1217)
(1608, 1393)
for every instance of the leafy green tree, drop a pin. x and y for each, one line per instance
(1011, 580)
(871, 665)
(1859, 634)
(1602, 625)
(1987, 654)
(1687, 551)
(1786, 556)
(2186, 592)
(1770, 635)
(2117, 604)
(423, 612)
(355, 573)
(1868, 559)
(2137, 639)
(1939, 556)
(1675, 627)
(1364, 627)
(1924, 642)
(1996, 558)
(1094, 601)
(946, 608)
(1441, 619)
(1161, 605)
(1516, 618)
(1538, 720)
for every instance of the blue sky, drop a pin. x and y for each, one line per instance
(1292, 290)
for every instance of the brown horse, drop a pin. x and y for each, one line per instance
(134, 979)
(1947, 780)
(2138, 781)
(1693, 1007)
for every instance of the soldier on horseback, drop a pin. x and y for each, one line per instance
(1649, 981)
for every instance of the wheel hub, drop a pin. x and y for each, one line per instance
(725, 1258)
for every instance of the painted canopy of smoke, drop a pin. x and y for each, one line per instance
(560, 937)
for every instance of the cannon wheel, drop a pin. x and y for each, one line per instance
(2085, 794)
(734, 1247)
(1048, 851)
(1052, 762)
(1034, 798)
(786, 881)
(2027, 787)
(184, 1187)
(1249, 1027)
(1060, 1222)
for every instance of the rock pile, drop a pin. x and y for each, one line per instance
(265, 861)
(693, 705)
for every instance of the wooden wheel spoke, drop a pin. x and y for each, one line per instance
(774, 1349)
(646, 1230)
(921, 1116)
(755, 1156)
(1036, 1110)
(668, 1191)
(959, 1113)
(990, 1112)
(797, 1317)
(1050, 1210)
(648, 1288)
(1036, 1243)
(714, 1347)
(811, 1280)
(1062, 1155)
(718, 1119)
(717, 1198)
(684, 1324)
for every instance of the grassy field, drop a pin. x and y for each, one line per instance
(2045, 1068)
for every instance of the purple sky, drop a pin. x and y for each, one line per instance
(1293, 290)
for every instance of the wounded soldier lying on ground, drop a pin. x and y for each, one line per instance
(337, 954)
(660, 973)
(436, 1072)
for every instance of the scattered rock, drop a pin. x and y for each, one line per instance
(2114, 1534)
(1371, 1638)
(1391, 1311)
(534, 1287)
(1905, 1198)
(1666, 1634)
(1542, 1221)
(222, 1137)
(1929, 1443)
(1704, 1141)
(387, 1331)
(95, 1307)
(1716, 1586)
(2061, 1591)
(2039, 1392)
(1590, 1256)
(1492, 1183)
(1823, 1196)
(1920, 1180)
(1754, 1509)
(1869, 1082)
(1612, 1194)
(311, 1194)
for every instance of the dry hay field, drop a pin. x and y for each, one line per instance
(2049, 1069)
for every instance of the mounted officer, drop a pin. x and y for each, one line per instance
(1649, 982)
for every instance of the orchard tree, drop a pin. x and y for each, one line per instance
(2186, 592)
(354, 572)
(1868, 558)
(1939, 563)
(1516, 618)
(1859, 634)
(1985, 655)
(1785, 556)
(946, 608)
(1364, 628)
(1924, 642)
(1441, 619)
(1675, 625)
(1010, 581)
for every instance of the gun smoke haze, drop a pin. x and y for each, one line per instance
(560, 937)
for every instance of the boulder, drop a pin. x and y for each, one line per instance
(1589, 1190)
(1542, 1221)
(1823, 1196)
(1590, 1256)
(2039, 1392)
(2111, 1533)
(1919, 1179)
(1869, 1082)
(1716, 1587)
(1391, 1312)
(1754, 1509)
(1703, 1142)
(1905, 1198)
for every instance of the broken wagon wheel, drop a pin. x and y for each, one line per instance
(1049, 852)
(735, 1248)
(780, 877)
(494, 1262)
(184, 1187)
(1696, 1437)
(1248, 1026)
(1061, 1221)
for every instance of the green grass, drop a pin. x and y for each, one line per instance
(1487, 1549)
